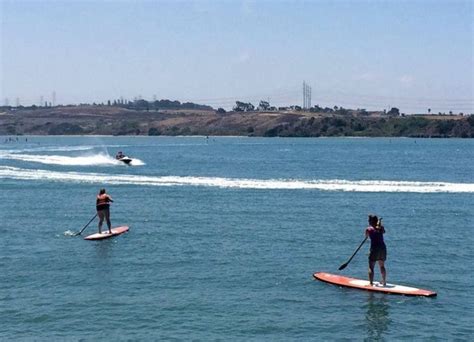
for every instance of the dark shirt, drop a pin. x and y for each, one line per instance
(376, 236)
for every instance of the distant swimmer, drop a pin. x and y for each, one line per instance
(378, 250)
(103, 209)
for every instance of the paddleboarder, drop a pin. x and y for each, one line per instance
(103, 209)
(378, 250)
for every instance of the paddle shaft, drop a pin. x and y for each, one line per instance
(343, 266)
(88, 223)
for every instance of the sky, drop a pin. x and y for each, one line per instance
(412, 55)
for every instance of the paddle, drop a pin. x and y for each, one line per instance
(343, 266)
(88, 223)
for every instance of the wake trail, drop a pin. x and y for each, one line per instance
(100, 159)
(238, 183)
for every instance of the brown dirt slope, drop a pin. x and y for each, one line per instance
(105, 120)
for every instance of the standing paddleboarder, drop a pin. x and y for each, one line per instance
(102, 205)
(378, 250)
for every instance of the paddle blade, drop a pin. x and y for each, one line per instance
(343, 266)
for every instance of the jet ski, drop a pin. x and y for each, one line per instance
(123, 158)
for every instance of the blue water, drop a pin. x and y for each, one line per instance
(226, 234)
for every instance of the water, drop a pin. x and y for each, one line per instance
(226, 234)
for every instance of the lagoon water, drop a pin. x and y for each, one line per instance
(226, 234)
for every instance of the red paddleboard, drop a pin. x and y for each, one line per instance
(105, 233)
(376, 287)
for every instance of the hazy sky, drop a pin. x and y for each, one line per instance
(413, 55)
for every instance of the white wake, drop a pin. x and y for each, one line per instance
(100, 159)
(238, 183)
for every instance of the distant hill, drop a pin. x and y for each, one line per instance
(117, 120)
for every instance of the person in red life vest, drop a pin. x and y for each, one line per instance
(378, 250)
(102, 205)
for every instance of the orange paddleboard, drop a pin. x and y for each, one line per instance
(376, 287)
(105, 233)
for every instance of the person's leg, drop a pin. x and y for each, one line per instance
(100, 213)
(107, 218)
(383, 271)
(371, 271)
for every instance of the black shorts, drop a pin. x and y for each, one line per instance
(378, 253)
(102, 207)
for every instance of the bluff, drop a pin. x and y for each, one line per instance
(110, 120)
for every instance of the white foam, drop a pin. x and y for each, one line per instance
(137, 162)
(238, 183)
(61, 148)
(51, 149)
(85, 160)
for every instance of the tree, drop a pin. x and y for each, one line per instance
(327, 110)
(394, 111)
(343, 111)
(470, 120)
(243, 107)
(154, 131)
(264, 105)
(220, 110)
(239, 106)
(429, 110)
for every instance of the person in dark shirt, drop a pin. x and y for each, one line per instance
(378, 250)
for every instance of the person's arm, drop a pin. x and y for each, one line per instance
(110, 198)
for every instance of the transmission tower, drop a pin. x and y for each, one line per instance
(306, 96)
(309, 97)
